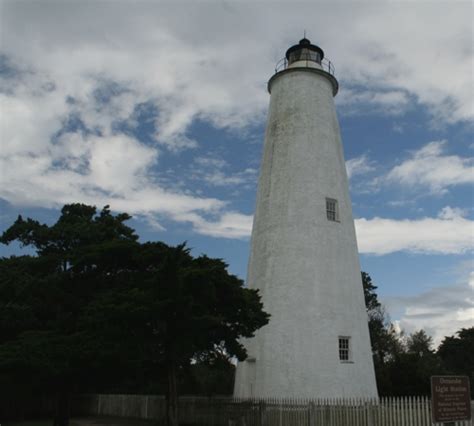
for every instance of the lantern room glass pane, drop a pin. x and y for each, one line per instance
(304, 55)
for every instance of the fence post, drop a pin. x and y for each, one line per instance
(311, 414)
(281, 412)
(370, 419)
(328, 413)
(262, 416)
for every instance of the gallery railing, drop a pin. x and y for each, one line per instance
(325, 64)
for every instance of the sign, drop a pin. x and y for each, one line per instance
(450, 398)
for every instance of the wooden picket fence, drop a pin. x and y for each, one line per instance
(226, 411)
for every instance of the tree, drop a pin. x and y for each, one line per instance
(418, 362)
(42, 297)
(457, 353)
(394, 353)
(211, 376)
(404, 364)
(380, 334)
(100, 302)
(420, 343)
(181, 308)
(386, 341)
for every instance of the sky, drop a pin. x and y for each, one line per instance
(158, 109)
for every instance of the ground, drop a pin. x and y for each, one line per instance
(88, 421)
(110, 421)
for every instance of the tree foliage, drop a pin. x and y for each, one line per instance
(95, 309)
(420, 344)
(457, 354)
(404, 364)
(382, 335)
(94, 304)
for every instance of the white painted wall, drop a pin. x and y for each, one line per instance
(306, 267)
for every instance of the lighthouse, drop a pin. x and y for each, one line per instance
(304, 257)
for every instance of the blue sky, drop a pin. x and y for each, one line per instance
(159, 109)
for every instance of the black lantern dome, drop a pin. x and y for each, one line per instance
(304, 51)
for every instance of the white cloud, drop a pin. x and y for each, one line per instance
(161, 52)
(440, 311)
(229, 225)
(214, 172)
(398, 128)
(387, 59)
(217, 163)
(431, 167)
(244, 177)
(450, 233)
(365, 101)
(95, 64)
(218, 178)
(96, 170)
(358, 166)
(451, 213)
(118, 163)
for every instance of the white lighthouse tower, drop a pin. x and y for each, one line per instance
(304, 256)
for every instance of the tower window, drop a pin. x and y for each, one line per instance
(345, 349)
(332, 212)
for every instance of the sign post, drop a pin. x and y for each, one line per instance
(450, 399)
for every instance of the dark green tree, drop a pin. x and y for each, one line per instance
(94, 302)
(42, 297)
(178, 310)
(385, 340)
(404, 364)
(210, 376)
(457, 354)
(418, 362)
(420, 343)
(394, 353)
(381, 336)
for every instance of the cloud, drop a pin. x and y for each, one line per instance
(229, 225)
(208, 162)
(398, 128)
(214, 171)
(75, 77)
(218, 178)
(381, 60)
(96, 170)
(151, 63)
(369, 101)
(446, 234)
(161, 53)
(431, 167)
(359, 166)
(440, 311)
